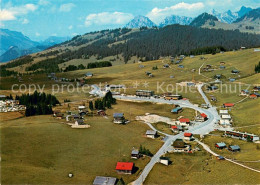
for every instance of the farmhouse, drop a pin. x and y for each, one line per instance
(99, 180)
(119, 118)
(220, 145)
(188, 136)
(151, 134)
(234, 148)
(176, 110)
(135, 154)
(124, 167)
(144, 93)
(226, 105)
(180, 146)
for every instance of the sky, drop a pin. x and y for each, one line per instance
(39, 19)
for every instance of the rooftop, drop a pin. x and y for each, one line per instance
(99, 180)
(124, 166)
(150, 132)
(118, 115)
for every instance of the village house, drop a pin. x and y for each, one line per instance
(244, 92)
(213, 98)
(76, 117)
(205, 106)
(234, 71)
(180, 66)
(88, 74)
(180, 146)
(144, 93)
(201, 117)
(228, 105)
(79, 122)
(253, 96)
(166, 66)
(151, 134)
(101, 113)
(135, 154)
(119, 118)
(188, 136)
(224, 123)
(234, 148)
(176, 110)
(232, 79)
(99, 180)
(184, 121)
(124, 167)
(223, 112)
(220, 145)
(164, 160)
(222, 67)
(176, 128)
(212, 88)
(226, 117)
(242, 135)
(256, 88)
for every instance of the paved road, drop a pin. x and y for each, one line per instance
(202, 128)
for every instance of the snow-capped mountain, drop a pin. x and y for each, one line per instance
(174, 19)
(140, 21)
(229, 16)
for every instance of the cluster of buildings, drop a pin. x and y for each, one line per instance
(10, 106)
(242, 135)
(232, 148)
(253, 94)
(225, 118)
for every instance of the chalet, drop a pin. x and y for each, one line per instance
(222, 63)
(234, 148)
(150, 75)
(256, 88)
(257, 94)
(141, 66)
(144, 93)
(184, 121)
(99, 180)
(81, 108)
(166, 66)
(253, 96)
(177, 62)
(201, 117)
(244, 92)
(173, 97)
(101, 113)
(218, 76)
(220, 145)
(79, 122)
(76, 117)
(222, 67)
(58, 115)
(176, 128)
(213, 98)
(180, 66)
(188, 136)
(232, 79)
(223, 112)
(135, 154)
(171, 76)
(119, 118)
(164, 160)
(176, 110)
(234, 71)
(204, 106)
(151, 134)
(83, 113)
(219, 157)
(242, 135)
(88, 74)
(124, 167)
(226, 105)
(192, 56)
(180, 146)
(147, 73)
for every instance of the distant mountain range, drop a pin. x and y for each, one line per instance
(173, 19)
(14, 44)
(140, 21)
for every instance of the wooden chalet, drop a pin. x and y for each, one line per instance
(124, 167)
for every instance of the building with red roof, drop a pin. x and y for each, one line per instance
(188, 136)
(174, 127)
(253, 96)
(203, 115)
(184, 120)
(125, 167)
(228, 104)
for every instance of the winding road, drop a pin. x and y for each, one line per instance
(199, 128)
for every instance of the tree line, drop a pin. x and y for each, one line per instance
(257, 68)
(101, 104)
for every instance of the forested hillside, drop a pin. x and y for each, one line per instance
(144, 43)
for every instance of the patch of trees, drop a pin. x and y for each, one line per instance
(4, 72)
(73, 67)
(18, 62)
(37, 103)
(250, 27)
(257, 68)
(106, 102)
(99, 64)
(144, 151)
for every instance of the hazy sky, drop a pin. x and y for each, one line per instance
(39, 19)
